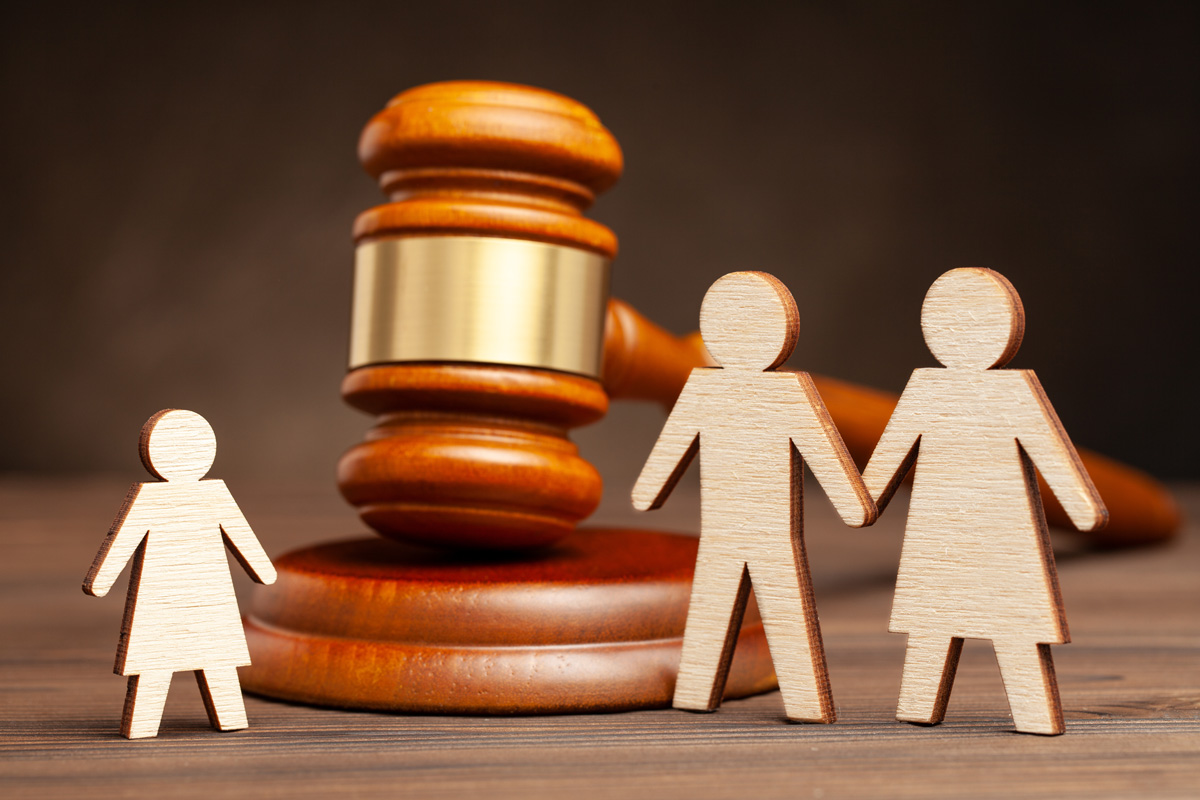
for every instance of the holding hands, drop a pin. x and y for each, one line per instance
(977, 432)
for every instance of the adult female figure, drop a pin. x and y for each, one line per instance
(976, 561)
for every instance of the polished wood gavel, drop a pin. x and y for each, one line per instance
(483, 332)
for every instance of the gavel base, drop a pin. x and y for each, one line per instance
(592, 624)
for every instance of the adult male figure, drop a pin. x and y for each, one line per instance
(754, 428)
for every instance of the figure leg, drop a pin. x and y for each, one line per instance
(929, 666)
(720, 590)
(789, 614)
(1029, 681)
(222, 693)
(144, 700)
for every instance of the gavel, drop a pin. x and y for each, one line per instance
(482, 330)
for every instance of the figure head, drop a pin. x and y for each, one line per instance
(972, 319)
(748, 320)
(178, 445)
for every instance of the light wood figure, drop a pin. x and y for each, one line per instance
(181, 612)
(754, 428)
(976, 561)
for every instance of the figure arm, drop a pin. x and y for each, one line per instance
(241, 541)
(822, 448)
(123, 538)
(677, 445)
(895, 453)
(1046, 443)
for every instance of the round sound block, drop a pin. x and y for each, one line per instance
(594, 623)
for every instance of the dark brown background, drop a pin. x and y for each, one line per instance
(180, 180)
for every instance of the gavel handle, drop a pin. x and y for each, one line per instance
(644, 362)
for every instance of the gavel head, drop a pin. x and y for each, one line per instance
(478, 321)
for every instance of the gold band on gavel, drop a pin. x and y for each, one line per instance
(479, 299)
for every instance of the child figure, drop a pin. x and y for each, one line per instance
(181, 612)
(976, 561)
(752, 425)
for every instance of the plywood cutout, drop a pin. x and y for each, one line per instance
(976, 561)
(181, 612)
(754, 428)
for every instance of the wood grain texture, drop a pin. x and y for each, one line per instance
(753, 428)
(977, 561)
(1131, 698)
(1141, 510)
(181, 612)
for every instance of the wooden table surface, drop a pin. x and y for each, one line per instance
(1130, 686)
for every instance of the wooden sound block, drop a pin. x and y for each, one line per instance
(594, 623)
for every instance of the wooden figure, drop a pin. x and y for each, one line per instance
(754, 427)
(181, 612)
(976, 561)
